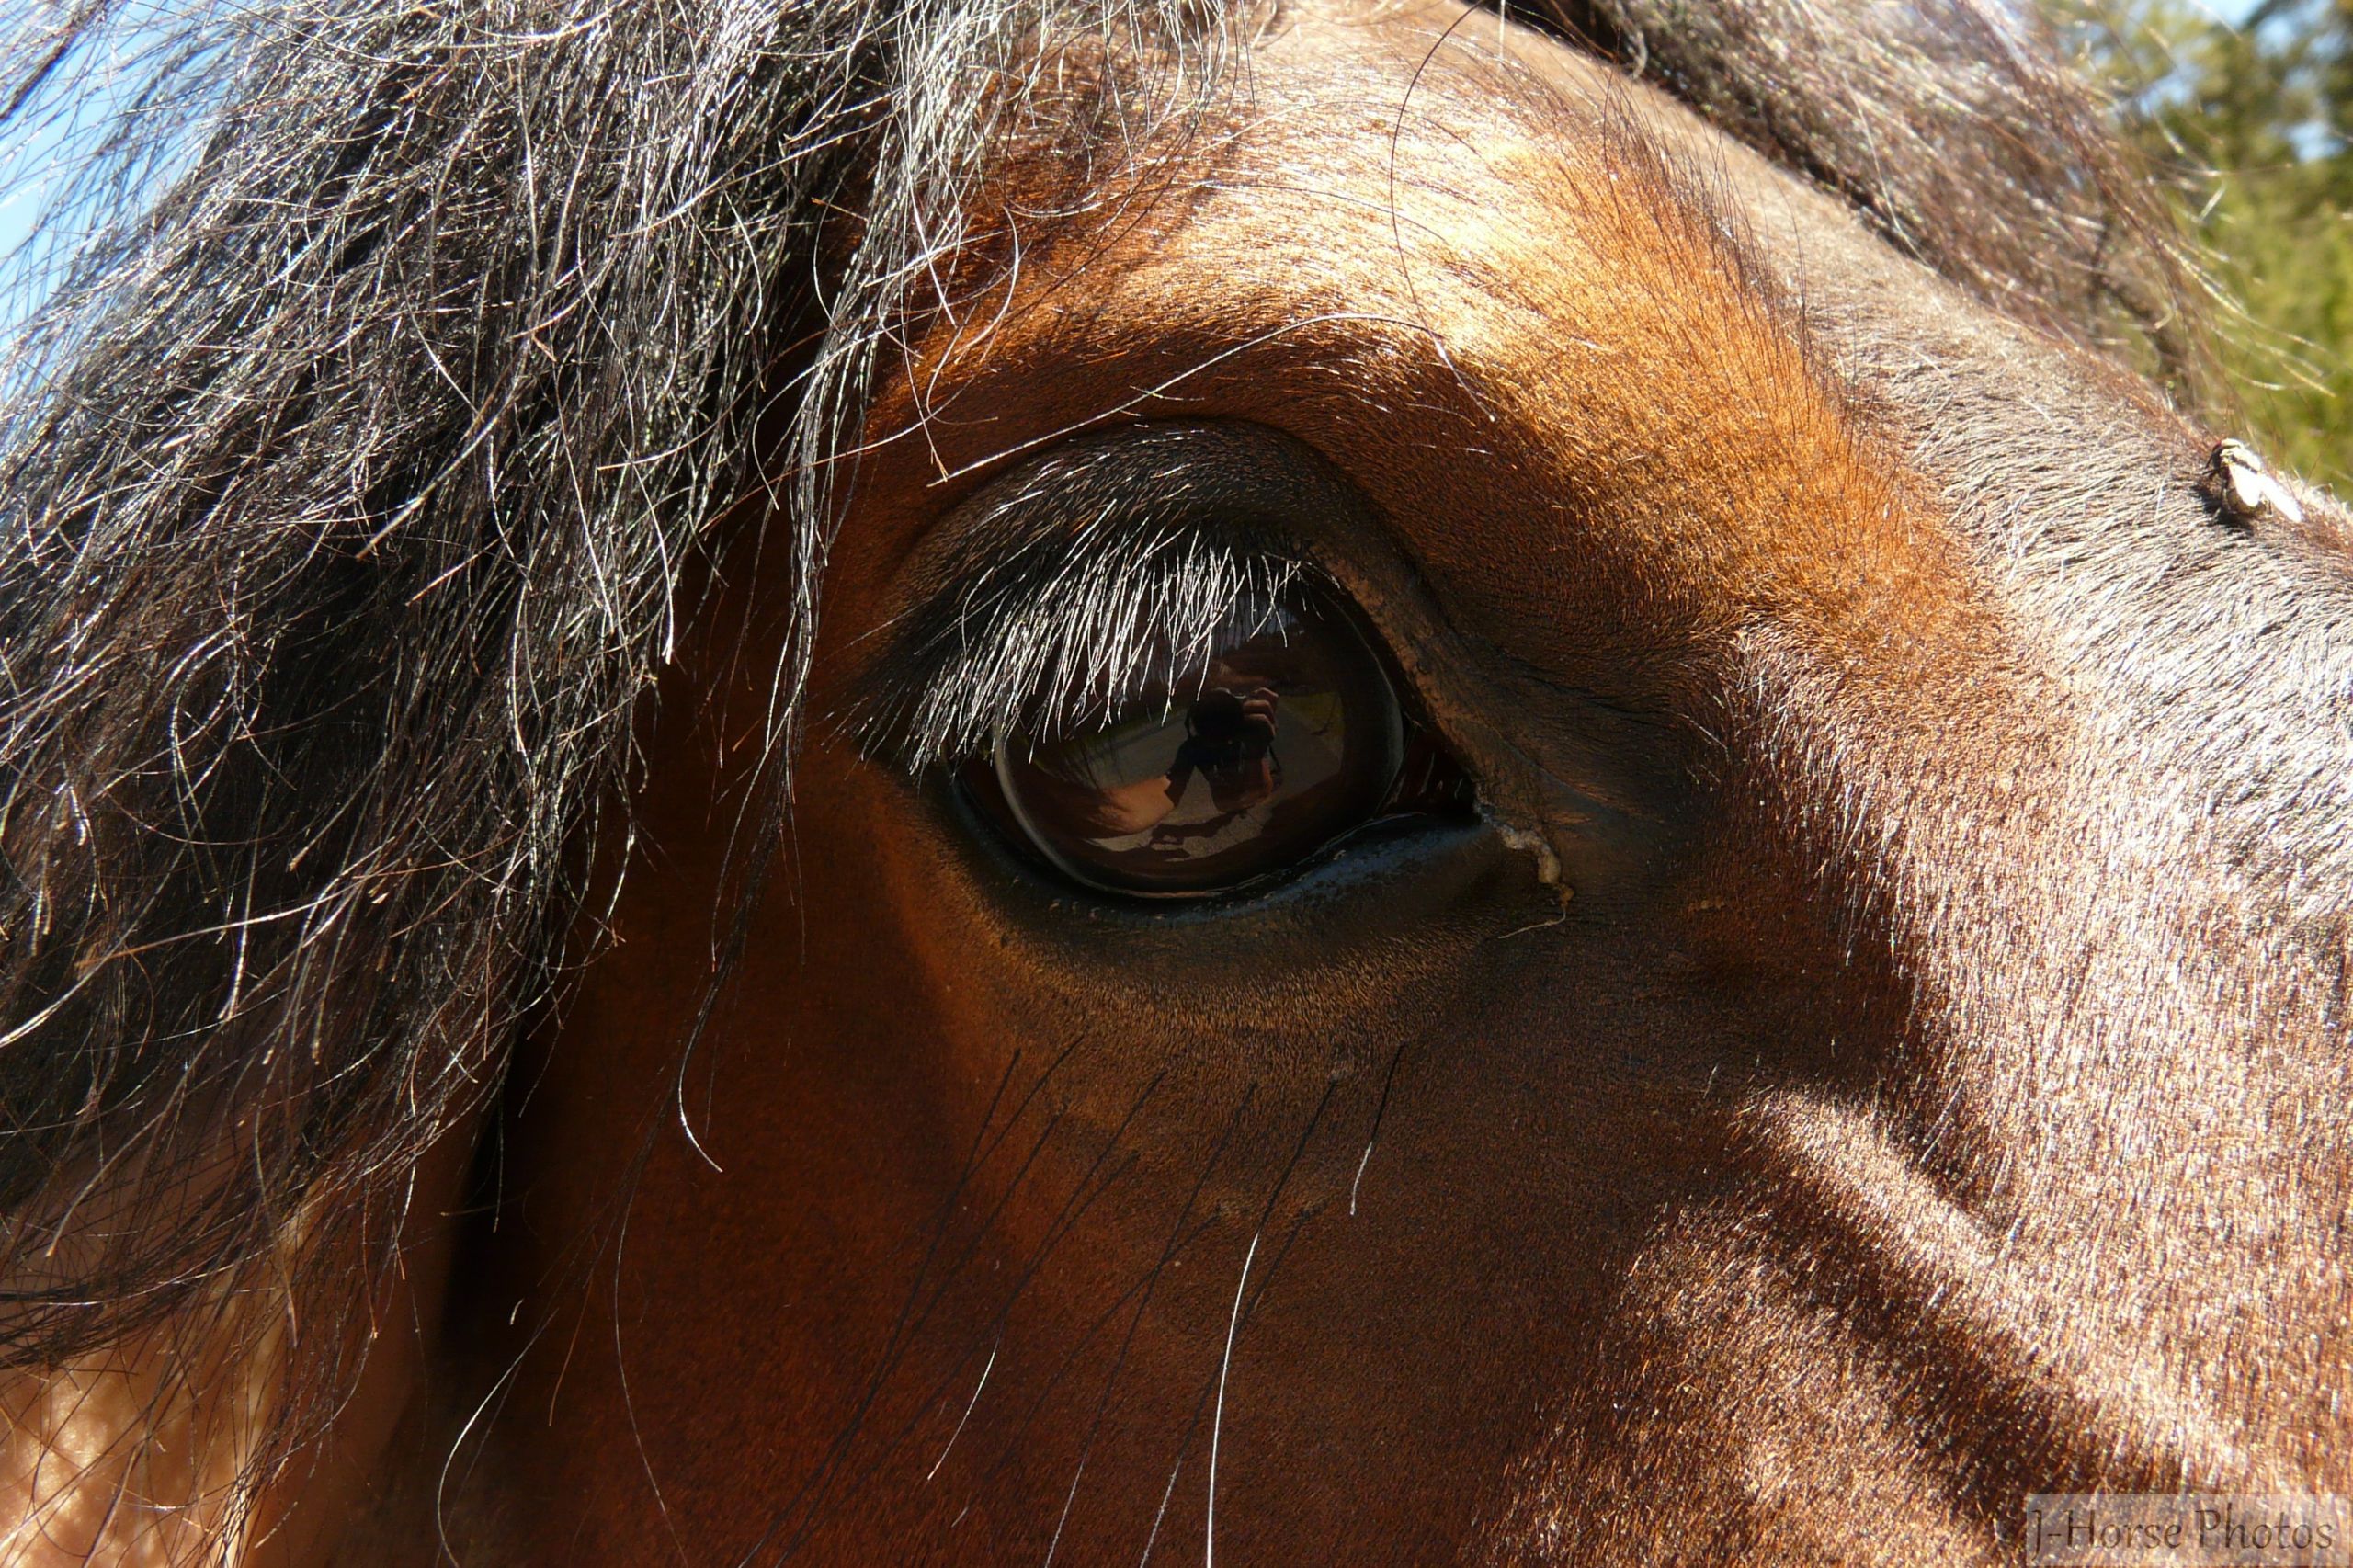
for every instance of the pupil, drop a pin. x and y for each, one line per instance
(1286, 736)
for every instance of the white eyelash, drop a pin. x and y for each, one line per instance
(1052, 653)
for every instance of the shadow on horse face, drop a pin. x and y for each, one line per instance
(1868, 1055)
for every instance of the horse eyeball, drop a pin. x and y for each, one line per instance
(1284, 736)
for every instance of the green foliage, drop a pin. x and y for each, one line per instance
(2257, 121)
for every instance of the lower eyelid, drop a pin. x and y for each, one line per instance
(1379, 851)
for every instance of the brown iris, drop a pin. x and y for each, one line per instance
(1286, 735)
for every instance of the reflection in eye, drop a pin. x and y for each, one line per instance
(1287, 735)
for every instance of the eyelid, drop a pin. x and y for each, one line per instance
(1079, 574)
(1060, 635)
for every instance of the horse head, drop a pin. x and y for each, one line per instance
(985, 784)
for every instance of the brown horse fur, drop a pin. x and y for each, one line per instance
(1878, 1052)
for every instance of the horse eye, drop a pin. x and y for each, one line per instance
(1286, 735)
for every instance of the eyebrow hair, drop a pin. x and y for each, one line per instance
(1102, 571)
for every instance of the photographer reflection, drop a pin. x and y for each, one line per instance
(1230, 742)
(1286, 729)
(1132, 784)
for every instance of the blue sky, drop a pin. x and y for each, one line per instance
(36, 156)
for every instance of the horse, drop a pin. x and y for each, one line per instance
(1107, 781)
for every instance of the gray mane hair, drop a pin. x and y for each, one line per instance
(361, 477)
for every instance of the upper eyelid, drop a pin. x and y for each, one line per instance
(1042, 590)
(1057, 635)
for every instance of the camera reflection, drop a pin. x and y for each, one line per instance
(1223, 753)
(1286, 735)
